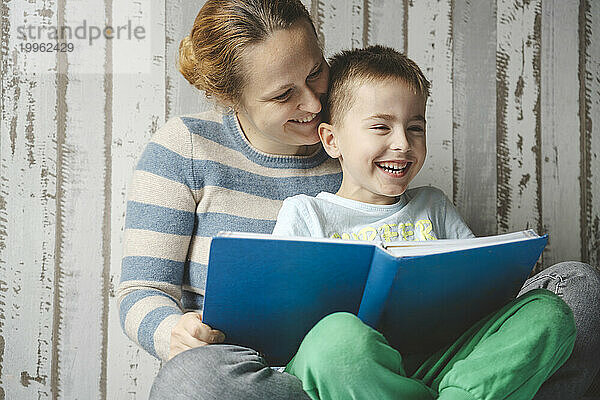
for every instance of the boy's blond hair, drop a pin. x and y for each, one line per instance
(350, 68)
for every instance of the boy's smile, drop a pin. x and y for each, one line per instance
(380, 141)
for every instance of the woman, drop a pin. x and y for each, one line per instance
(200, 175)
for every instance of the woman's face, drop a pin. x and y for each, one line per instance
(286, 76)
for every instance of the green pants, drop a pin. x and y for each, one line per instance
(507, 355)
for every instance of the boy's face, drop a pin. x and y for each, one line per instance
(380, 142)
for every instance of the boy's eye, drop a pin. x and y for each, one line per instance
(379, 127)
(416, 128)
(283, 96)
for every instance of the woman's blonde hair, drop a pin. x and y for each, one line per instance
(210, 57)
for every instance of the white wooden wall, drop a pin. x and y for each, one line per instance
(513, 137)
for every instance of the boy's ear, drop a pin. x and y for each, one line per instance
(329, 140)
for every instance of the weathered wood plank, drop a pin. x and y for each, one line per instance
(430, 46)
(474, 113)
(385, 23)
(130, 369)
(80, 317)
(341, 24)
(27, 205)
(590, 129)
(559, 130)
(181, 97)
(518, 108)
(308, 4)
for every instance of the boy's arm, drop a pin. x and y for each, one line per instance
(292, 220)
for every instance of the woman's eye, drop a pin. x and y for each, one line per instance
(283, 96)
(315, 74)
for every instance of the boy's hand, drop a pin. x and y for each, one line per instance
(190, 332)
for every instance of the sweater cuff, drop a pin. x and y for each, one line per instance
(162, 336)
(454, 393)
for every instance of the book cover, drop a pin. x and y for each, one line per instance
(266, 292)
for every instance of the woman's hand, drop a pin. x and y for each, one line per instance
(190, 332)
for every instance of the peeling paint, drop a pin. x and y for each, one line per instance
(26, 379)
(107, 207)
(318, 15)
(523, 183)
(519, 88)
(358, 33)
(29, 127)
(518, 123)
(61, 108)
(585, 144)
(537, 111)
(2, 347)
(504, 190)
(595, 241)
(5, 28)
(4, 59)
(366, 23)
(45, 12)
(3, 220)
(14, 85)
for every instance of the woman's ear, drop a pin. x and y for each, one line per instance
(329, 139)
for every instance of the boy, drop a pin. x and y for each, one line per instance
(377, 131)
(376, 128)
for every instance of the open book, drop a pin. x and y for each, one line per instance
(266, 292)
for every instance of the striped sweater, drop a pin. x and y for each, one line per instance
(198, 176)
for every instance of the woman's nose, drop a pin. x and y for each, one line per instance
(310, 101)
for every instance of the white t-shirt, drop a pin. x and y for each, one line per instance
(422, 213)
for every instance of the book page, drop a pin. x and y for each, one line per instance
(249, 235)
(403, 248)
(419, 248)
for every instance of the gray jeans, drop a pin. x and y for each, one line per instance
(232, 372)
(578, 285)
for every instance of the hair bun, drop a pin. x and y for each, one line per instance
(187, 62)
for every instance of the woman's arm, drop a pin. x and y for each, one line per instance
(158, 228)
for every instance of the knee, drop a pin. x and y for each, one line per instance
(550, 313)
(341, 336)
(580, 288)
(211, 365)
(342, 325)
(580, 275)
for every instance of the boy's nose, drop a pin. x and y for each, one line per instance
(400, 142)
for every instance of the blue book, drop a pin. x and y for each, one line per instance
(266, 292)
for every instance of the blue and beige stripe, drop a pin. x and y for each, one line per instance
(141, 314)
(213, 142)
(157, 161)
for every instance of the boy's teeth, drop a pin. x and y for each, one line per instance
(306, 119)
(394, 167)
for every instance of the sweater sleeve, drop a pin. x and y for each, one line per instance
(159, 224)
